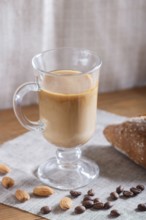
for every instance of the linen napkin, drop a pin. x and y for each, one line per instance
(26, 152)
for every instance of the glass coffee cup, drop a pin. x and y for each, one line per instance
(66, 80)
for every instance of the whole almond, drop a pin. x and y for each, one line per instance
(43, 191)
(4, 169)
(22, 195)
(65, 203)
(7, 182)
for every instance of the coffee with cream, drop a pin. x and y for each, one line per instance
(67, 102)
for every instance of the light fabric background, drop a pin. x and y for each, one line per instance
(115, 29)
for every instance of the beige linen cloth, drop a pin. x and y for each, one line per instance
(26, 152)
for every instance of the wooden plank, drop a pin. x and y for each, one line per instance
(127, 102)
(9, 213)
(9, 125)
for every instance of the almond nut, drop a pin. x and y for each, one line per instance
(7, 182)
(43, 191)
(65, 203)
(4, 169)
(22, 195)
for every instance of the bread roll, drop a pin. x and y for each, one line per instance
(129, 138)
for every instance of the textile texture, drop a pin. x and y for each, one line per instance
(26, 152)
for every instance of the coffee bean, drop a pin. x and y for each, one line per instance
(75, 193)
(90, 192)
(107, 205)
(128, 194)
(119, 189)
(88, 198)
(98, 205)
(142, 207)
(135, 190)
(140, 187)
(114, 213)
(114, 195)
(80, 209)
(45, 210)
(87, 204)
(96, 200)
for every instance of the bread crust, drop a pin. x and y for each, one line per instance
(129, 137)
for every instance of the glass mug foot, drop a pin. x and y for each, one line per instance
(67, 177)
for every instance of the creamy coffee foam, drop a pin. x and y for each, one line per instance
(67, 82)
(68, 108)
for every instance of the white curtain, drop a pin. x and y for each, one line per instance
(115, 29)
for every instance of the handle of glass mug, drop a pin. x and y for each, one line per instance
(17, 101)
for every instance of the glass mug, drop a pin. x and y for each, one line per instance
(67, 85)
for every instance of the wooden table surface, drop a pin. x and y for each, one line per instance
(127, 103)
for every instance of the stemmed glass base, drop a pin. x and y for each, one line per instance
(68, 170)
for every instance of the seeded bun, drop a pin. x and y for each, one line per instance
(129, 138)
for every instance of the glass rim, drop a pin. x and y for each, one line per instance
(92, 70)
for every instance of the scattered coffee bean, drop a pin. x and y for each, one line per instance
(135, 190)
(88, 198)
(91, 192)
(80, 209)
(96, 200)
(114, 195)
(128, 194)
(45, 210)
(87, 204)
(75, 193)
(107, 205)
(98, 205)
(114, 213)
(119, 189)
(142, 207)
(140, 187)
